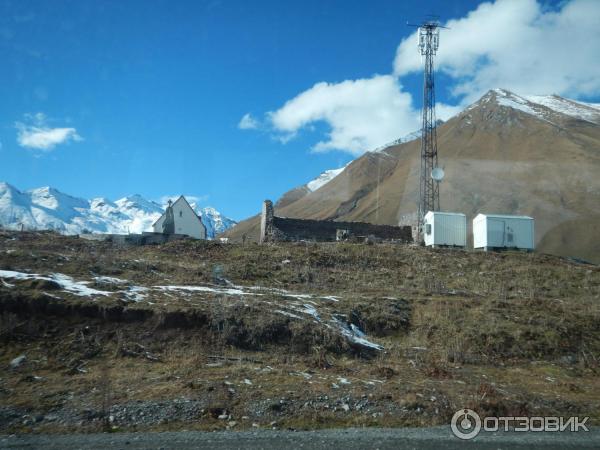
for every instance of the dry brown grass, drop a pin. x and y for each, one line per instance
(500, 332)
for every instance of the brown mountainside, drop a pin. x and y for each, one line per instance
(537, 156)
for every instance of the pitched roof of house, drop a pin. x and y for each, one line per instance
(189, 206)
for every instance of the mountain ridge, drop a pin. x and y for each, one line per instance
(49, 208)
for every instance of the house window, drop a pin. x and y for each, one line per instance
(180, 213)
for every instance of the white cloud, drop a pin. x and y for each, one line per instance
(248, 122)
(517, 45)
(36, 134)
(362, 113)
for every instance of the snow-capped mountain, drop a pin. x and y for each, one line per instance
(48, 208)
(545, 107)
(550, 108)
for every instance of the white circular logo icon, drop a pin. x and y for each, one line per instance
(466, 424)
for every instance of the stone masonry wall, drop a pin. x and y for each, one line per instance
(275, 228)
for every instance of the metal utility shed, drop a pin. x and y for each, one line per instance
(502, 231)
(445, 229)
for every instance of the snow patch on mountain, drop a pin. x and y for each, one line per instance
(324, 178)
(545, 107)
(584, 111)
(48, 208)
(514, 101)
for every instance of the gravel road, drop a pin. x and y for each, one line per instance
(348, 439)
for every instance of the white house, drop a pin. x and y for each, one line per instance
(180, 218)
(502, 231)
(445, 229)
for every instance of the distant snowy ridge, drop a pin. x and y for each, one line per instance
(49, 209)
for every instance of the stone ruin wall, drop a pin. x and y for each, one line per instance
(277, 229)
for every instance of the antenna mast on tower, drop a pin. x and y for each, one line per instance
(429, 188)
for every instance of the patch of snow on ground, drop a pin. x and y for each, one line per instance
(357, 331)
(306, 375)
(136, 293)
(227, 291)
(16, 275)
(311, 310)
(353, 336)
(289, 294)
(76, 287)
(102, 279)
(139, 293)
(66, 282)
(365, 342)
(298, 296)
(289, 314)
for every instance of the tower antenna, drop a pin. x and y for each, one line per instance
(429, 188)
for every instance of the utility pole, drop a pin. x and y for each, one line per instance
(429, 188)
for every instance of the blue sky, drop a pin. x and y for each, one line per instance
(110, 98)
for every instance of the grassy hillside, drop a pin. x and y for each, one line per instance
(204, 335)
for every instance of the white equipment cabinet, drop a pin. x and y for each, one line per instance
(445, 229)
(492, 231)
